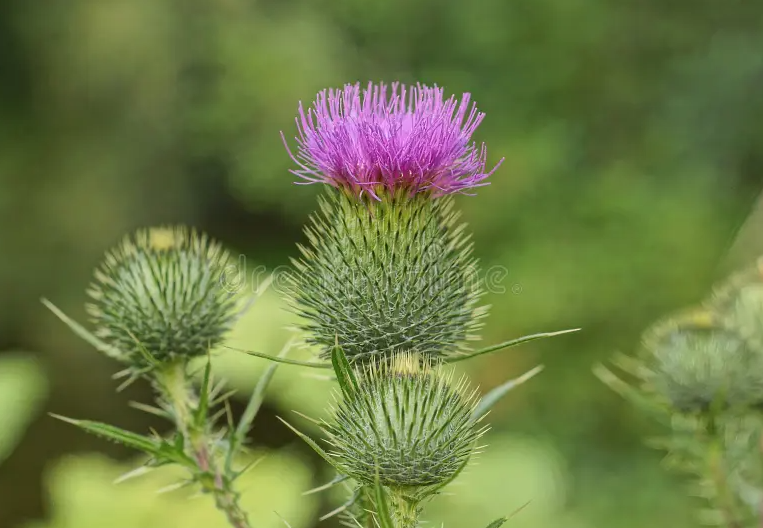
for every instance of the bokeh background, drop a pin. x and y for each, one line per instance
(632, 132)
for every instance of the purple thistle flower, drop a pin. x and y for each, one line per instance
(411, 138)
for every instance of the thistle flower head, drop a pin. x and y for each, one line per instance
(410, 138)
(386, 277)
(160, 291)
(407, 423)
(695, 363)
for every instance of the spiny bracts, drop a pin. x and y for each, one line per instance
(387, 276)
(162, 291)
(407, 424)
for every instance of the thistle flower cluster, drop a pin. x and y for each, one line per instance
(701, 372)
(387, 289)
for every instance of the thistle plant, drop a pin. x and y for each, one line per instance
(159, 302)
(700, 373)
(389, 291)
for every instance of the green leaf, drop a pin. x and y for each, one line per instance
(115, 434)
(492, 397)
(382, 507)
(325, 456)
(497, 523)
(346, 377)
(252, 408)
(83, 333)
(338, 479)
(23, 391)
(507, 344)
(258, 396)
(282, 360)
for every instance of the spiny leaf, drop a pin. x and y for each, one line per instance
(346, 377)
(110, 432)
(508, 344)
(336, 480)
(82, 332)
(282, 360)
(325, 456)
(382, 507)
(492, 397)
(258, 396)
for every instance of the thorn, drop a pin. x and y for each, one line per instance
(173, 487)
(311, 420)
(282, 519)
(137, 472)
(65, 419)
(150, 409)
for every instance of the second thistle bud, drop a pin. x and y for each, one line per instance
(161, 292)
(695, 364)
(406, 425)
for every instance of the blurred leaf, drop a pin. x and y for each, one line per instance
(83, 495)
(23, 389)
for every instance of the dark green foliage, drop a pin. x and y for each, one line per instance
(406, 425)
(161, 294)
(389, 276)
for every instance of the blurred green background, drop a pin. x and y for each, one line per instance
(632, 133)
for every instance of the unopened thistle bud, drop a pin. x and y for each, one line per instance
(696, 364)
(406, 424)
(387, 267)
(161, 292)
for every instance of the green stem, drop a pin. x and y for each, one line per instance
(405, 511)
(716, 467)
(177, 389)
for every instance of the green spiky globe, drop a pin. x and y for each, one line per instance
(406, 421)
(386, 276)
(696, 364)
(163, 289)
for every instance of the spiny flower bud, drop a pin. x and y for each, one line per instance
(161, 291)
(380, 277)
(406, 423)
(696, 363)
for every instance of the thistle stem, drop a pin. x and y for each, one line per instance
(177, 389)
(405, 511)
(716, 467)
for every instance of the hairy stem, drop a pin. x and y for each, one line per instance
(404, 511)
(177, 389)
